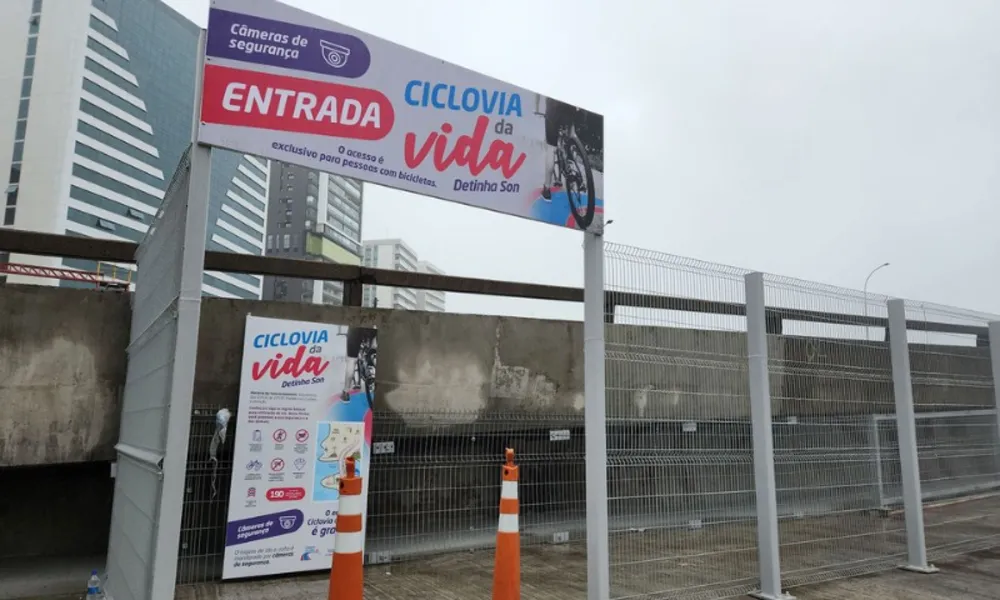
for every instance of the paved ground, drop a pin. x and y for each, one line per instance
(48, 578)
(970, 577)
(834, 556)
(850, 555)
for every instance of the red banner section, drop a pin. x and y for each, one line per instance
(288, 494)
(281, 103)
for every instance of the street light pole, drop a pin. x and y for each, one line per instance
(868, 336)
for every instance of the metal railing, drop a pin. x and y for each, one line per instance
(680, 465)
(692, 487)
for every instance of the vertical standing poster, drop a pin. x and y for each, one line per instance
(305, 406)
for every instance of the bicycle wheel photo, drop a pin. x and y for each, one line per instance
(365, 366)
(363, 381)
(579, 186)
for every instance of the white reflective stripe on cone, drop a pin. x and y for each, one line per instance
(509, 490)
(347, 542)
(351, 505)
(508, 524)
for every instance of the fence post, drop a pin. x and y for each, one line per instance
(876, 442)
(768, 543)
(994, 346)
(909, 462)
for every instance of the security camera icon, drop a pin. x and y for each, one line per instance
(335, 55)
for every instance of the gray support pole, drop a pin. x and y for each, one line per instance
(768, 543)
(909, 463)
(598, 555)
(994, 345)
(192, 274)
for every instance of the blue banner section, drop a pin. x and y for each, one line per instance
(263, 527)
(260, 41)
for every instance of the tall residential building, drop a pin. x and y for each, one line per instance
(314, 216)
(431, 301)
(396, 255)
(96, 109)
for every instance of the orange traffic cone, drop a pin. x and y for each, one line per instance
(346, 578)
(507, 567)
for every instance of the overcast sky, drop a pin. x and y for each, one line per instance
(814, 139)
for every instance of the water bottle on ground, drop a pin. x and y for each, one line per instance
(94, 586)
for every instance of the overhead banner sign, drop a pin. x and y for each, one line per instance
(306, 394)
(284, 84)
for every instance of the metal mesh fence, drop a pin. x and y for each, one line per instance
(680, 465)
(436, 482)
(434, 489)
(681, 485)
(828, 381)
(206, 502)
(957, 433)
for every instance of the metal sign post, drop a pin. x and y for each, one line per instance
(594, 414)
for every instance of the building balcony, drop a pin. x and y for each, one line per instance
(325, 243)
(331, 235)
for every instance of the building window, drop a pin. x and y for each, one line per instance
(270, 242)
(12, 194)
(309, 225)
(21, 126)
(288, 213)
(106, 224)
(286, 241)
(138, 216)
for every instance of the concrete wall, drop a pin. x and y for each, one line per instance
(428, 362)
(62, 369)
(63, 356)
